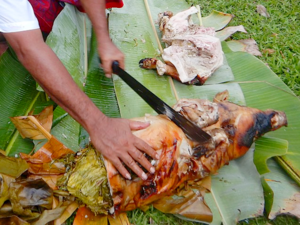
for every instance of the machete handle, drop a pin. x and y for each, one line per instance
(115, 66)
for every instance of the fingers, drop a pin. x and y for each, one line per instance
(134, 156)
(131, 160)
(122, 63)
(138, 125)
(143, 146)
(108, 57)
(140, 157)
(131, 163)
(121, 147)
(119, 166)
(107, 67)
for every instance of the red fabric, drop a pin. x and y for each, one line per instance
(76, 3)
(114, 4)
(47, 10)
(109, 4)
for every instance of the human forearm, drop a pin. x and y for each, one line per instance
(112, 137)
(95, 9)
(107, 51)
(51, 74)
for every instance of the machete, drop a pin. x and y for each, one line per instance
(191, 130)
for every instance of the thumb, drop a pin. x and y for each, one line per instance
(138, 125)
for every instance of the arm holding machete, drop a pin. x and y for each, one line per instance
(112, 137)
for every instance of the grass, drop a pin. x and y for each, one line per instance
(155, 217)
(278, 40)
(280, 33)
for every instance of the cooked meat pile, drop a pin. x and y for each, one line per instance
(193, 52)
(233, 129)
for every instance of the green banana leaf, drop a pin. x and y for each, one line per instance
(263, 89)
(267, 147)
(286, 192)
(18, 97)
(98, 87)
(137, 41)
(70, 40)
(236, 192)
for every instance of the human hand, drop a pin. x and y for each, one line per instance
(108, 53)
(114, 139)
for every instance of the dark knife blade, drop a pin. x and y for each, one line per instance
(192, 131)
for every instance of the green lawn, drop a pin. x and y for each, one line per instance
(278, 40)
(280, 32)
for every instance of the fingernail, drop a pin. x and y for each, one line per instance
(152, 170)
(157, 156)
(128, 176)
(144, 176)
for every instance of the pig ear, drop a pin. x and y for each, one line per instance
(221, 96)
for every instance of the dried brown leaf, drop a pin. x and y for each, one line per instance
(228, 31)
(67, 213)
(29, 129)
(245, 45)
(53, 149)
(27, 193)
(51, 180)
(85, 216)
(251, 46)
(291, 206)
(274, 35)
(188, 202)
(4, 186)
(42, 161)
(269, 51)
(12, 166)
(50, 215)
(262, 11)
(120, 219)
(13, 220)
(55, 168)
(45, 118)
(6, 209)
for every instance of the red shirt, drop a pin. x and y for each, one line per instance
(47, 10)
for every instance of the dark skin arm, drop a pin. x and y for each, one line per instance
(112, 137)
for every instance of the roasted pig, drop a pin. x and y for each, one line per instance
(233, 129)
(193, 52)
